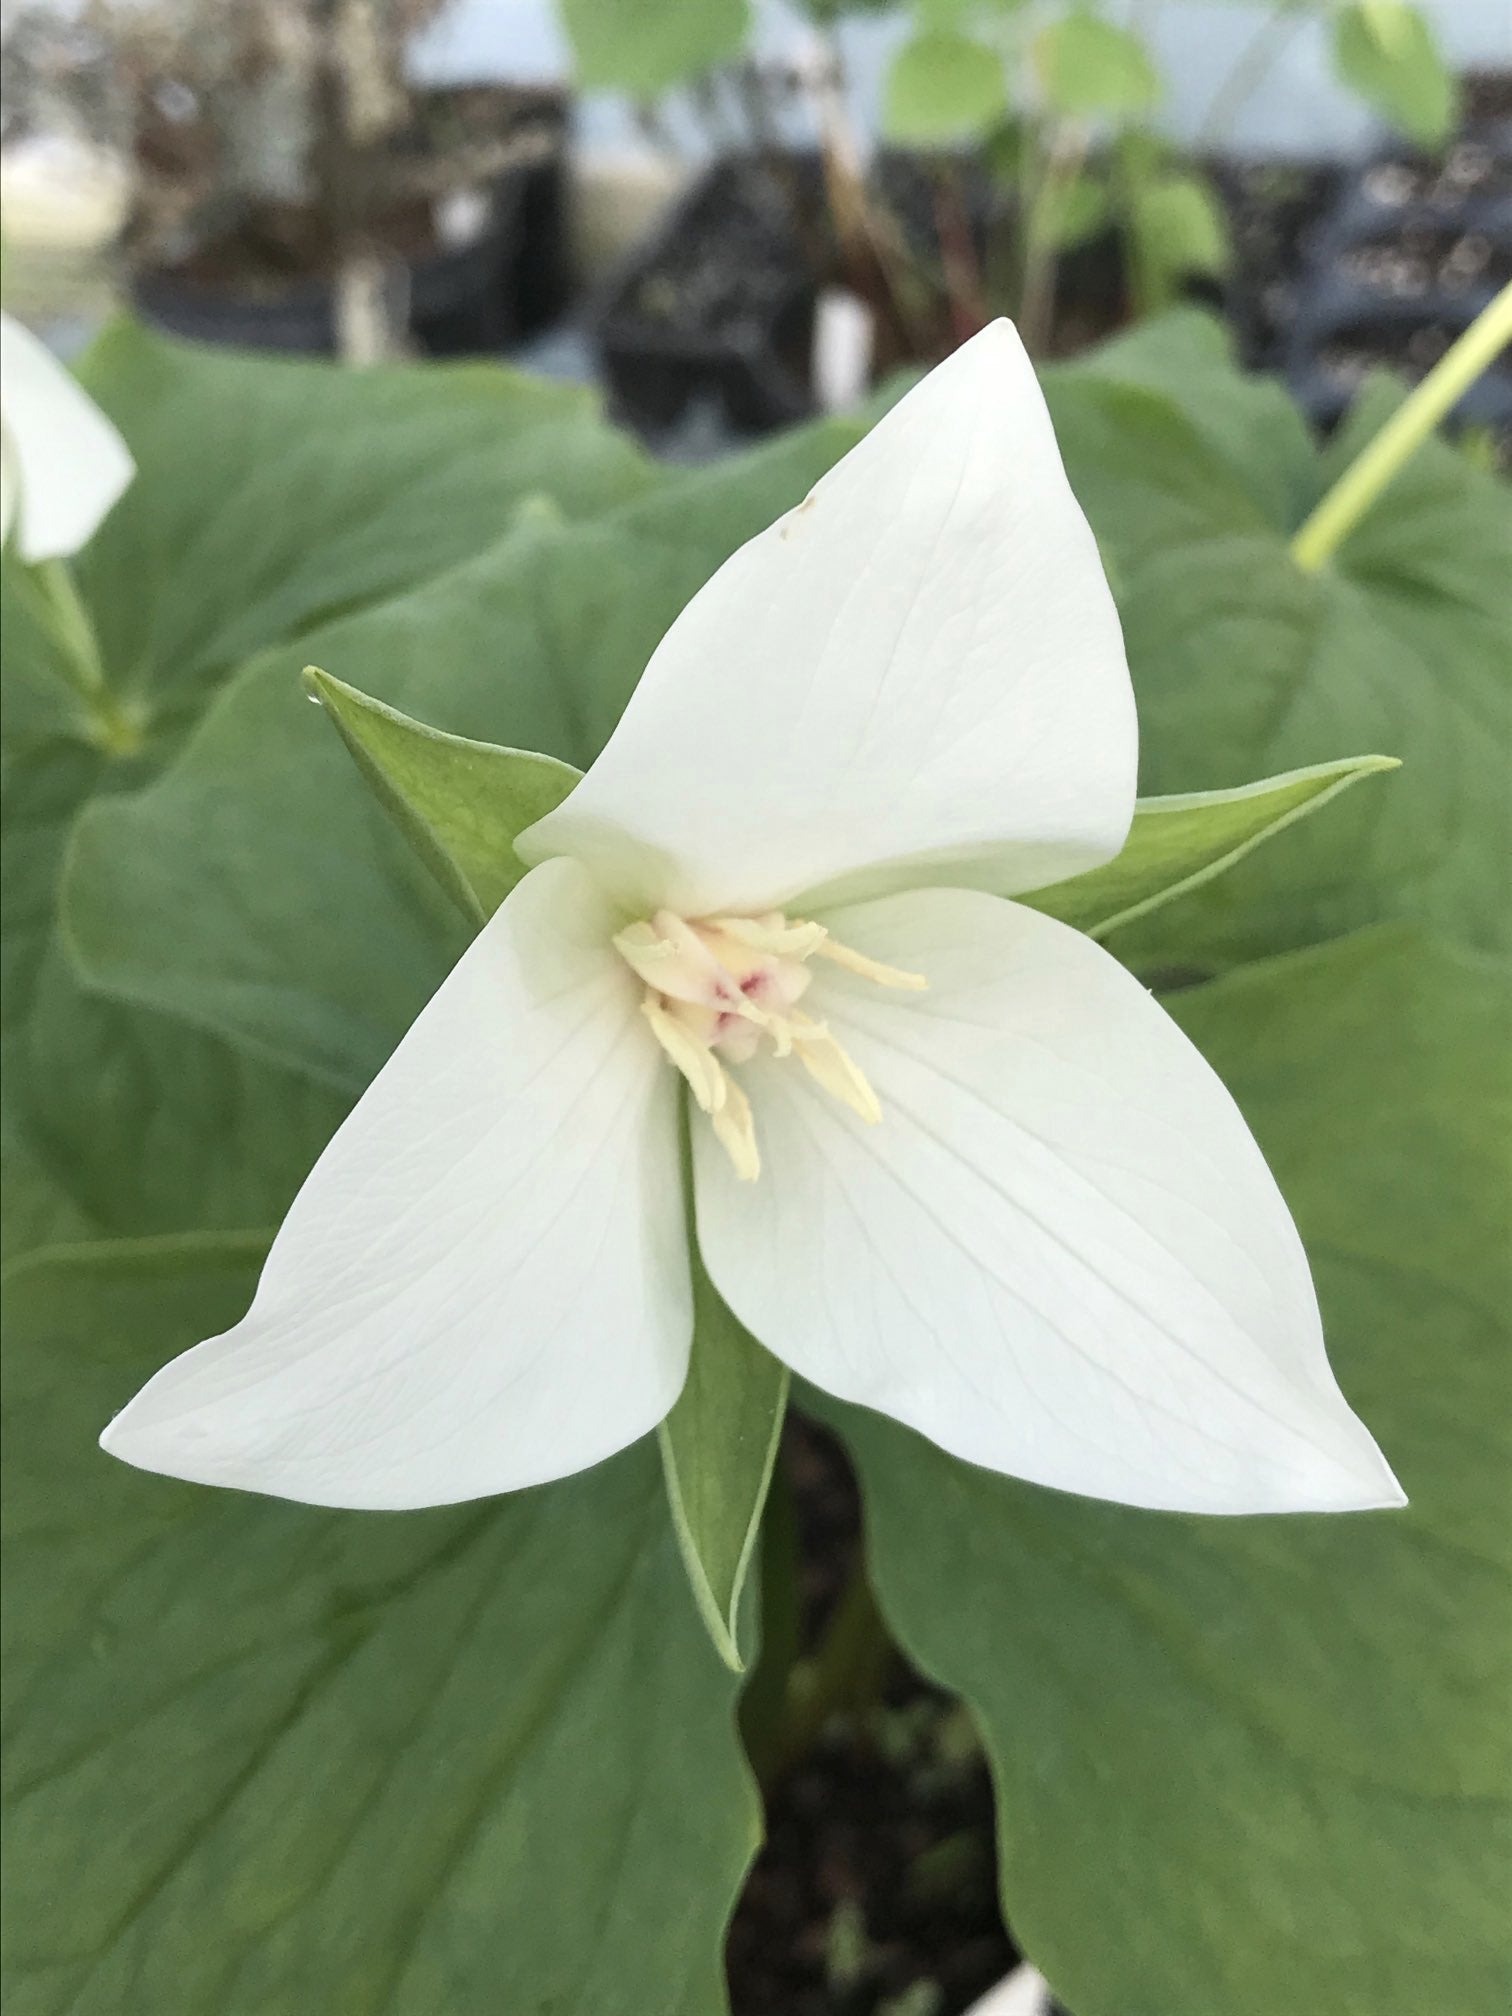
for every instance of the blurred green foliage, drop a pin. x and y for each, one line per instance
(1059, 106)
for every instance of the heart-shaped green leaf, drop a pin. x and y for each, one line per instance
(264, 1760)
(1274, 1751)
(944, 86)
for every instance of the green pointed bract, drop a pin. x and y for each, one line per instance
(460, 803)
(1177, 844)
(718, 1447)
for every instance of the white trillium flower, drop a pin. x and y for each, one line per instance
(62, 463)
(952, 1161)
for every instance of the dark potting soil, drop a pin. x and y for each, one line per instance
(1274, 209)
(876, 1891)
(718, 305)
(1410, 250)
(734, 263)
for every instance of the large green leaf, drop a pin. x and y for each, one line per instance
(327, 935)
(273, 492)
(264, 1760)
(1243, 664)
(1262, 1765)
(1251, 423)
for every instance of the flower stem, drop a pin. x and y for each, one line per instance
(845, 1672)
(113, 727)
(70, 624)
(1404, 433)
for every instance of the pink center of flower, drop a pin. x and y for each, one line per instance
(718, 987)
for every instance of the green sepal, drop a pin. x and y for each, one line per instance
(1176, 844)
(719, 1445)
(460, 803)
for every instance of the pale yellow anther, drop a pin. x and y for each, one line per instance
(871, 969)
(836, 1070)
(717, 987)
(695, 1060)
(773, 935)
(735, 1130)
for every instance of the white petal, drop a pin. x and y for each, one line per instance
(919, 668)
(1060, 1254)
(66, 463)
(1025, 1992)
(484, 1283)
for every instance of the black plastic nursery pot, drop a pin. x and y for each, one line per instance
(454, 301)
(717, 304)
(1335, 272)
(504, 279)
(1409, 253)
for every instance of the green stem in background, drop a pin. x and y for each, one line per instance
(1060, 161)
(844, 1675)
(1141, 277)
(764, 1704)
(115, 728)
(71, 626)
(1255, 59)
(1404, 433)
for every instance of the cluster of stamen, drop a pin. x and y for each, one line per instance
(718, 987)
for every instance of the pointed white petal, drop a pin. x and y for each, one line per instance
(920, 664)
(1025, 1992)
(1060, 1254)
(484, 1282)
(65, 463)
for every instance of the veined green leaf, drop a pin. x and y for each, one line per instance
(269, 493)
(1273, 1750)
(1193, 479)
(264, 1760)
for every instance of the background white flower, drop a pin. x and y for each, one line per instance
(62, 463)
(1059, 1252)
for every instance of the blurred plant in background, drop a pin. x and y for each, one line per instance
(1034, 129)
